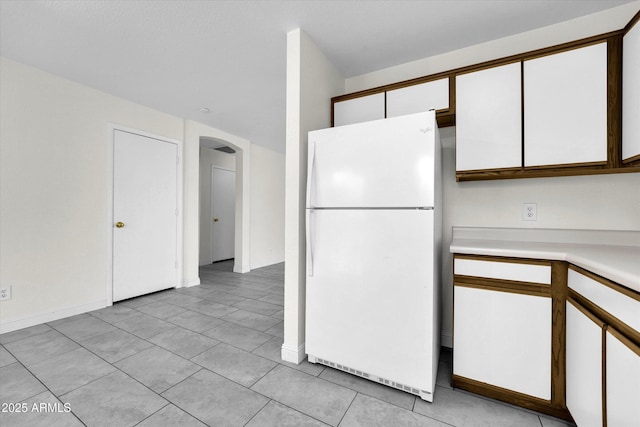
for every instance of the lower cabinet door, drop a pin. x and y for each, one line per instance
(623, 381)
(584, 367)
(503, 339)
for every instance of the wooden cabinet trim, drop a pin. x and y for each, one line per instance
(544, 173)
(575, 300)
(500, 285)
(602, 317)
(632, 23)
(558, 333)
(624, 340)
(632, 161)
(504, 259)
(614, 102)
(511, 397)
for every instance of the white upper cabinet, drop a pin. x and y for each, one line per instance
(631, 94)
(356, 110)
(489, 118)
(417, 98)
(565, 107)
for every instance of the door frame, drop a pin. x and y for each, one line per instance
(235, 192)
(112, 128)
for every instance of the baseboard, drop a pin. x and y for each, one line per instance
(191, 282)
(50, 316)
(241, 268)
(446, 340)
(293, 354)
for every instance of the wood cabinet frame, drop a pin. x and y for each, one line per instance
(613, 164)
(557, 291)
(635, 160)
(561, 294)
(608, 322)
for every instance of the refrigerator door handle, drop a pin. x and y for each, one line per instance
(309, 242)
(311, 175)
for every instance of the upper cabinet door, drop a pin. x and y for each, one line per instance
(359, 110)
(631, 94)
(565, 107)
(418, 98)
(489, 119)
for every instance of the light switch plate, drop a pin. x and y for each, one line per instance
(529, 212)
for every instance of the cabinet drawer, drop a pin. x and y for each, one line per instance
(520, 272)
(599, 292)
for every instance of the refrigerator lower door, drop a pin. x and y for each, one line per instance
(370, 297)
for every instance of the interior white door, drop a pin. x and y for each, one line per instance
(145, 188)
(223, 201)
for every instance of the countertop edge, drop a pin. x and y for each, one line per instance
(594, 258)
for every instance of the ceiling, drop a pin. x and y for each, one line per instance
(230, 56)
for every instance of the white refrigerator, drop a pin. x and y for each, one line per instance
(373, 231)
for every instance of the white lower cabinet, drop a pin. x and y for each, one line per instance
(503, 339)
(623, 381)
(584, 367)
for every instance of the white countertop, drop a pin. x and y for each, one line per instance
(614, 255)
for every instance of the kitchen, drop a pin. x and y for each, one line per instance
(497, 203)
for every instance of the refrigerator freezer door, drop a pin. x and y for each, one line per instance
(382, 163)
(370, 300)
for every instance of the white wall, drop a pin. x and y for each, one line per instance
(209, 158)
(54, 182)
(53, 191)
(610, 202)
(311, 82)
(575, 29)
(267, 206)
(592, 202)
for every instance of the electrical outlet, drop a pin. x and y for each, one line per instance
(5, 293)
(529, 212)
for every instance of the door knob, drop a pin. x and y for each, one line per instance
(119, 224)
(216, 219)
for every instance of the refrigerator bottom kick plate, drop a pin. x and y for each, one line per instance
(423, 394)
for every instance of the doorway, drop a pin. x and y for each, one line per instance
(223, 200)
(145, 214)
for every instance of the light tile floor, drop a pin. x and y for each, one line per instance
(208, 355)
